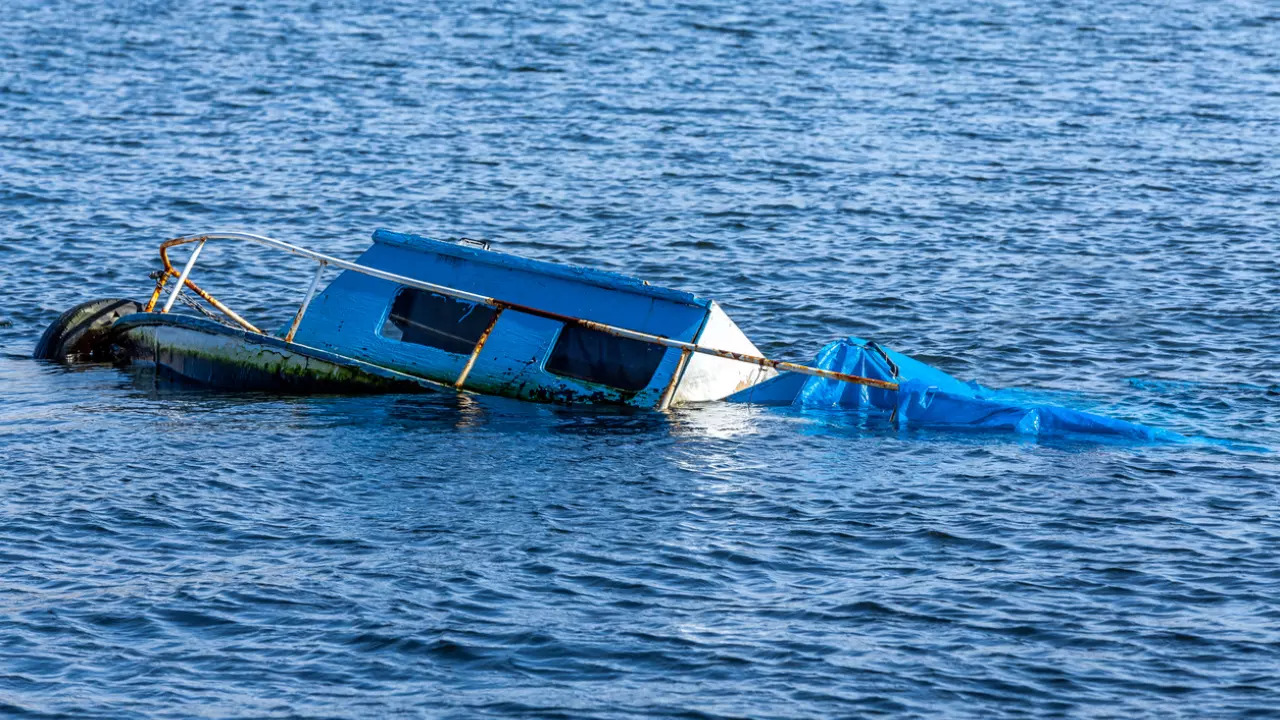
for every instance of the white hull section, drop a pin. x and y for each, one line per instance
(707, 377)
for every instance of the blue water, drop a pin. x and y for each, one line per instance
(1080, 199)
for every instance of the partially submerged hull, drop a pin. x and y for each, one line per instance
(414, 313)
(200, 351)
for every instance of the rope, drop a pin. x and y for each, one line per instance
(186, 299)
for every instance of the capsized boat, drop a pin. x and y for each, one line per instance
(413, 314)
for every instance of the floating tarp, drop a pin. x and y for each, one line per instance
(930, 397)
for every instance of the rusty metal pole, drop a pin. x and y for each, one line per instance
(471, 361)
(155, 294)
(669, 392)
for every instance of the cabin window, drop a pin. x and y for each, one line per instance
(425, 318)
(602, 358)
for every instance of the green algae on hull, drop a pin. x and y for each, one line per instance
(210, 354)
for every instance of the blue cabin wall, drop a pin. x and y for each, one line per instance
(347, 318)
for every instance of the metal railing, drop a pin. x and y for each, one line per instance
(323, 261)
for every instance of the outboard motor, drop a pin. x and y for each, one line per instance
(82, 334)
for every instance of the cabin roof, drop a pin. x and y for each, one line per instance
(576, 273)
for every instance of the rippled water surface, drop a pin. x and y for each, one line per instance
(1077, 197)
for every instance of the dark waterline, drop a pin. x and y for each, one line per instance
(1077, 199)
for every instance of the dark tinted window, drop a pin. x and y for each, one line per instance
(425, 318)
(603, 358)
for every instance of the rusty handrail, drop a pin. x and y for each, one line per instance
(495, 303)
(186, 281)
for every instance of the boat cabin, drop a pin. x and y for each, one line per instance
(529, 344)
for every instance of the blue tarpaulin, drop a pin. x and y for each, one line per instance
(930, 397)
